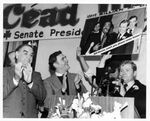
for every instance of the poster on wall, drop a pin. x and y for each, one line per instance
(118, 32)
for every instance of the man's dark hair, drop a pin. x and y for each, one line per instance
(109, 22)
(111, 25)
(53, 59)
(124, 21)
(133, 17)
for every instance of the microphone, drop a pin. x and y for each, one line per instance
(88, 51)
(92, 84)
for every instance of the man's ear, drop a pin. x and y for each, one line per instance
(55, 64)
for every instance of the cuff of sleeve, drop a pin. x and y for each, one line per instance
(15, 82)
(79, 89)
(30, 85)
(89, 73)
(101, 64)
(63, 93)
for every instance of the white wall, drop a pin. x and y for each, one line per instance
(141, 62)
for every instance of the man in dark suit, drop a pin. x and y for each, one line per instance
(133, 29)
(23, 89)
(61, 82)
(104, 39)
(122, 34)
(93, 38)
(130, 87)
(107, 71)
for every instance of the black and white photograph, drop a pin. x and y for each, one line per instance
(75, 61)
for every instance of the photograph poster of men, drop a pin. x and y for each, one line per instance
(49, 64)
(118, 31)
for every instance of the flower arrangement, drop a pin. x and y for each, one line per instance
(61, 110)
(83, 107)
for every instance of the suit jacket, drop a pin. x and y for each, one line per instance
(124, 49)
(21, 101)
(138, 91)
(109, 39)
(53, 87)
(93, 37)
(136, 31)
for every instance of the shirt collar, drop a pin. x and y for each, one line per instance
(58, 74)
(130, 84)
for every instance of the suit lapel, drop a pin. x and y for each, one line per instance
(69, 82)
(56, 82)
(11, 71)
(130, 91)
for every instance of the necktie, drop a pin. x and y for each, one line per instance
(125, 87)
(131, 31)
(118, 37)
(103, 40)
(61, 80)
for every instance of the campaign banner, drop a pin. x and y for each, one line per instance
(42, 21)
(115, 45)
